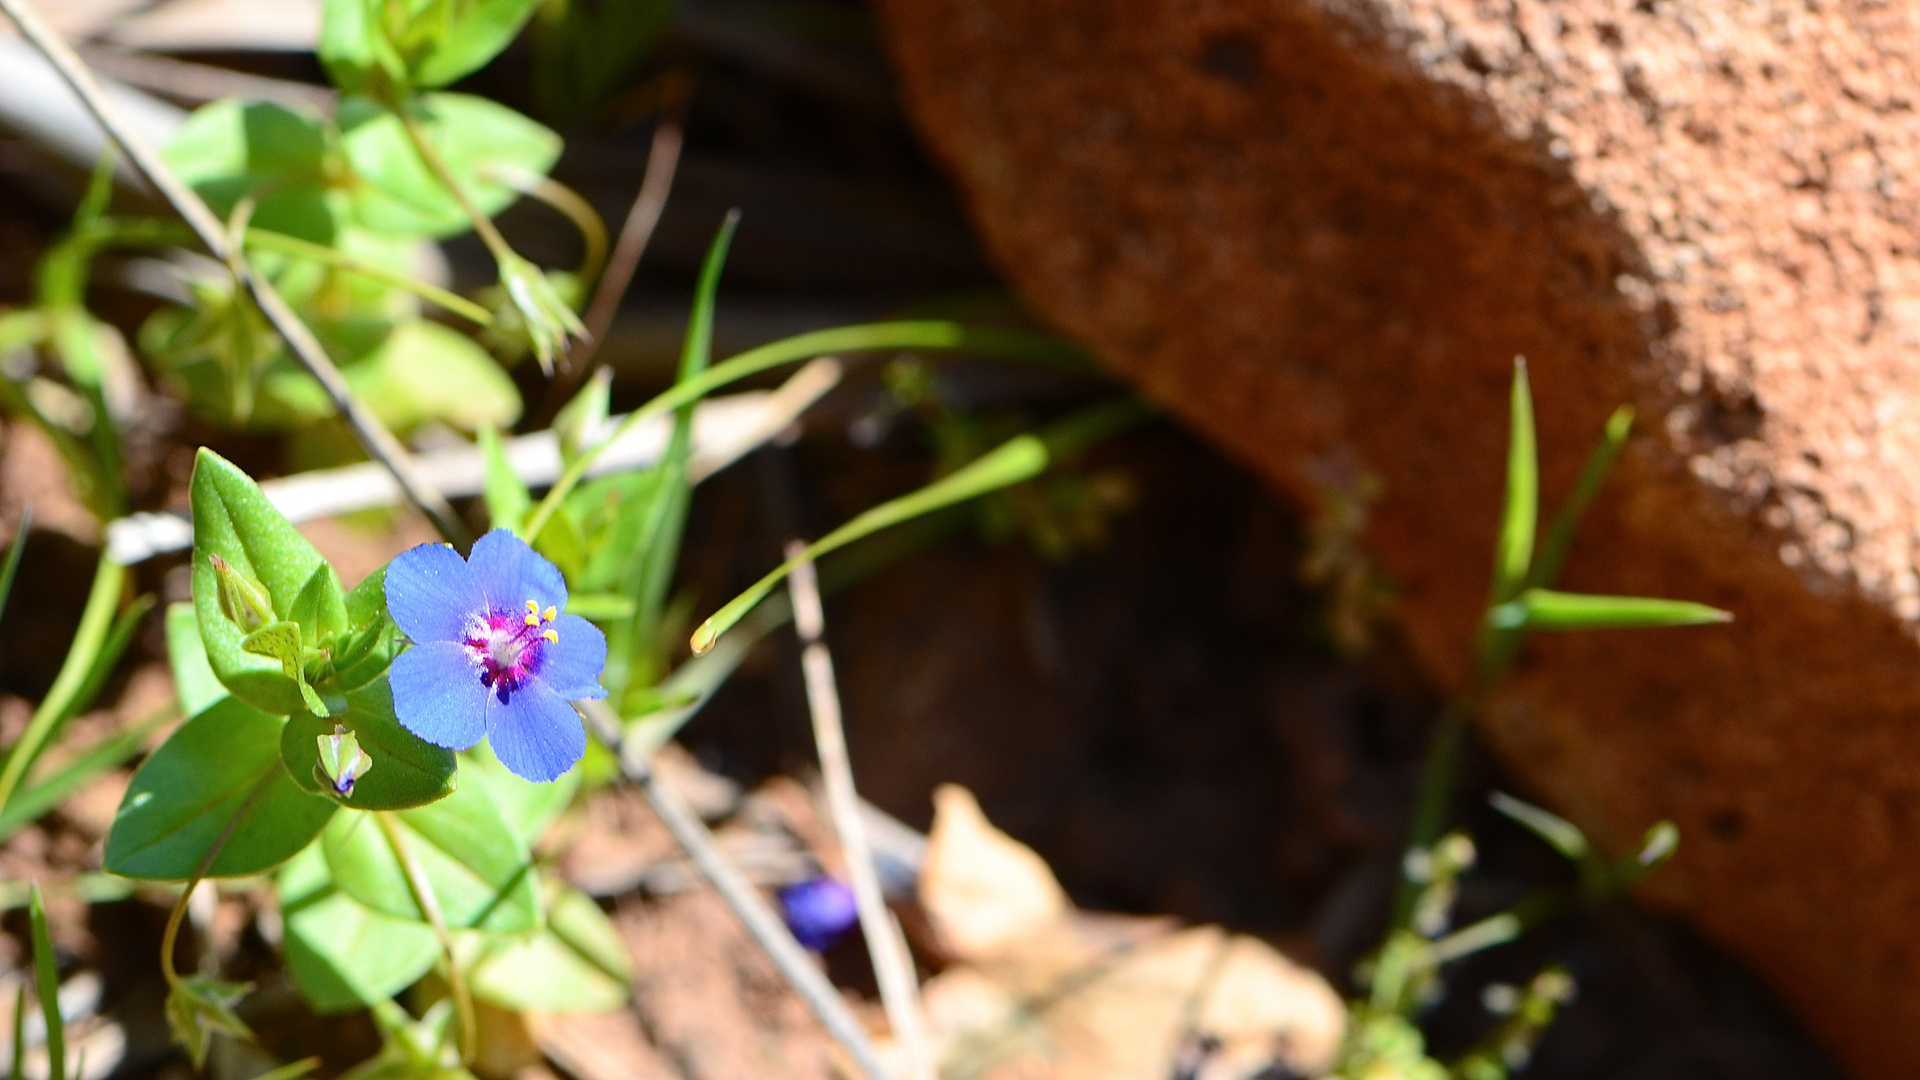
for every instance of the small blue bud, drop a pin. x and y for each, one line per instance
(819, 911)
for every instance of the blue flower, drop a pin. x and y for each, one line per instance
(492, 656)
(819, 911)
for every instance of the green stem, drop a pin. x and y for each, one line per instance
(482, 224)
(927, 334)
(109, 580)
(433, 294)
(429, 904)
(570, 205)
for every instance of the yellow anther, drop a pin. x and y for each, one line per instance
(550, 613)
(533, 620)
(533, 606)
(552, 636)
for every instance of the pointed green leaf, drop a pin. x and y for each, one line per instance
(1545, 609)
(15, 548)
(1020, 458)
(46, 978)
(1563, 835)
(1522, 506)
(469, 853)
(200, 1007)
(281, 641)
(320, 609)
(233, 520)
(478, 31)
(341, 954)
(1553, 552)
(218, 776)
(583, 422)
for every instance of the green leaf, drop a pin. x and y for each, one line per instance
(528, 806)
(218, 776)
(506, 496)
(1545, 609)
(469, 853)
(46, 978)
(560, 541)
(1553, 552)
(232, 149)
(371, 641)
(320, 610)
(353, 47)
(425, 371)
(583, 422)
(234, 521)
(18, 1071)
(15, 548)
(478, 139)
(281, 641)
(1563, 835)
(1020, 458)
(407, 771)
(342, 955)
(577, 963)
(479, 31)
(1521, 510)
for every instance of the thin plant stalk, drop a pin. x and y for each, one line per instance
(433, 294)
(429, 903)
(96, 622)
(569, 204)
(373, 435)
(793, 962)
(886, 945)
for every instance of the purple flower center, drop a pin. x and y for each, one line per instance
(507, 646)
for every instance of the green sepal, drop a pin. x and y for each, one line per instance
(410, 772)
(199, 1008)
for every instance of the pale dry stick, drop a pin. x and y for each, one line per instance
(773, 937)
(374, 437)
(886, 945)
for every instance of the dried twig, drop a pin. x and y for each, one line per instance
(373, 435)
(886, 945)
(794, 963)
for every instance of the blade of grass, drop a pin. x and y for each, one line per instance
(1520, 512)
(97, 760)
(1545, 609)
(15, 548)
(1563, 835)
(1020, 458)
(96, 623)
(649, 572)
(46, 976)
(934, 334)
(1553, 551)
(17, 1071)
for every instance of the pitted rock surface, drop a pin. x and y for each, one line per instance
(1319, 233)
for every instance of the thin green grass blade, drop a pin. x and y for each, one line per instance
(1545, 609)
(46, 976)
(102, 757)
(15, 549)
(125, 625)
(19, 1069)
(1020, 458)
(1562, 835)
(932, 335)
(1520, 514)
(648, 574)
(1553, 551)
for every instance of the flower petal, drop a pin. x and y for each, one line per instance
(437, 694)
(511, 573)
(432, 593)
(571, 667)
(536, 734)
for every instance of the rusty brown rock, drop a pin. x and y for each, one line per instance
(1319, 233)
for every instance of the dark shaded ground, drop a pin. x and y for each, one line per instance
(1164, 717)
